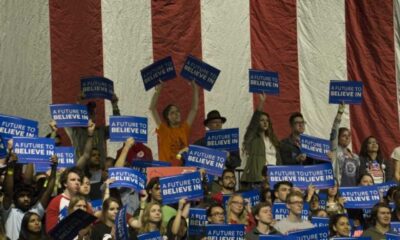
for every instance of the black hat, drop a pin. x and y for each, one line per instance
(214, 114)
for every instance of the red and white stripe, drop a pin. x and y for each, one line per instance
(46, 46)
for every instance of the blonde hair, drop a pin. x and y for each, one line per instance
(243, 216)
(146, 219)
(74, 200)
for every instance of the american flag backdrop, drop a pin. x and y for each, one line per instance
(47, 45)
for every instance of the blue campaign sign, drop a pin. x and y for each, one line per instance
(160, 71)
(395, 226)
(320, 175)
(225, 231)
(351, 238)
(96, 204)
(360, 197)
(224, 139)
(127, 177)
(280, 211)
(323, 197)
(156, 235)
(66, 156)
(212, 160)
(263, 82)
(121, 228)
(349, 92)
(314, 147)
(11, 126)
(69, 115)
(97, 87)
(392, 236)
(123, 127)
(142, 165)
(253, 196)
(384, 187)
(203, 74)
(33, 150)
(186, 185)
(3, 148)
(70, 226)
(320, 221)
(197, 221)
(317, 233)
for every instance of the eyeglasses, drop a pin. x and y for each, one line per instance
(229, 177)
(300, 122)
(297, 202)
(217, 214)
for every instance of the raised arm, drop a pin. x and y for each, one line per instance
(195, 104)
(82, 161)
(44, 198)
(334, 141)
(114, 103)
(9, 179)
(122, 157)
(261, 101)
(137, 223)
(153, 104)
(183, 211)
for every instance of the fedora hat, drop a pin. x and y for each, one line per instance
(214, 114)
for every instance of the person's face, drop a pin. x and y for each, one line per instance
(372, 145)
(265, 216)
(237, 205)
(268, 196)
(156, 193)
(264, 124)
(24, 200)
(81, 204)
(366, 181)
(342, 227)
(95, 157)
(174, 115)
(34, 224)
(217, 215)
(214, 124)
(332, 191)
(85, 187)
(383, 217)
(282, 192)
(73, 183)
(298, 125)
(344, 138)
(229, 181)
(314, 204)
(155, 213)
(112, 211)
(108, 163)
(295, 205)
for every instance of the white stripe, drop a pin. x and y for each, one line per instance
(25, 74)
(396, 15)
(322, 57)
(225, 32)
(127, 48)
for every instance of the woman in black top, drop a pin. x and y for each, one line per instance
(103, 229)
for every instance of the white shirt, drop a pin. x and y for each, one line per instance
(270, 151)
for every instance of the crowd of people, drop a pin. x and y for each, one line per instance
(33, 203)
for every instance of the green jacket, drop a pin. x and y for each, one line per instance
(255, 150)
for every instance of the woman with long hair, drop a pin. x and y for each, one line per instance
(334, 203)
(31, 227)
(238, 211)
(104, 228)
(339, 226)
(371, 160)
(173, 135)
(260, 145)
(346, 164)
(150, 220)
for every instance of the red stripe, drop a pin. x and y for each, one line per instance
(176, 29)
(76, 48)
(274, 48)
(371, 59)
